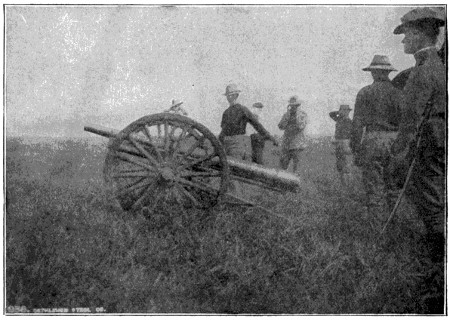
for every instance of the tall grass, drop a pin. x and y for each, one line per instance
(69, 245)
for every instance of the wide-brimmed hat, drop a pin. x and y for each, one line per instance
(231, 89)
(380, 62)
(344, 107)
(419, 15)
(295, 101)
(258, 105)
(176, 102)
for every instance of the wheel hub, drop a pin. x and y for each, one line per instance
(167, 175)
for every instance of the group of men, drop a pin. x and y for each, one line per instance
(237, 144)
(397, 124)
(398, 135)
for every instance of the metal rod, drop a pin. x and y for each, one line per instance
(102, 131)
(400, 196)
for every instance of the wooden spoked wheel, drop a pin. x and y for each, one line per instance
(166, 160)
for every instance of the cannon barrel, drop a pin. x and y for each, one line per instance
(102, 131)
(271, 178)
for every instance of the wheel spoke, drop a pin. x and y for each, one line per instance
(155, 148)
(199, 186)
(158, 192)
(145, 152)
(188, 195)
(196, 162)
(178, 198)
(191, 149)
(172, 131)
(129, 150)
(166, 140)
(131, 173)
(128, 158)
(148, 133)
(169, 150)
(181, 136)
(177, 144)
(132, 187)
(146, 194)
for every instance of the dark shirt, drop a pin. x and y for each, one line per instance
(235, 119)
(426, 86)
(343, 126)
(377, 108)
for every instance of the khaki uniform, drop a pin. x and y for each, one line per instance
(426, 88)
(423, 128)
(377, 110)
(294, 140)
(342, 142)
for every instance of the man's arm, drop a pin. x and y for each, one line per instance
(334, 115)
(302, 119)
(284, 121)
(221, 134)
(258, 126)
(358, 125)
(417, 93)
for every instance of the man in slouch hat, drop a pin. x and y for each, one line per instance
(422, 134)
(342, 138)
(293, 123)
(377, 111)
(234, 124)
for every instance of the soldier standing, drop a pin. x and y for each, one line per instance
(422, 132)
(342, 137)
(234, 123)
(257, 140)
(377, 110)
(293, 123)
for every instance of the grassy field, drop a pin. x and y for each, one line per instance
(69, 245)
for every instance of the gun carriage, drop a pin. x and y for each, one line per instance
(171, 159)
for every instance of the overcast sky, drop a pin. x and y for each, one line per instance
(68, 66)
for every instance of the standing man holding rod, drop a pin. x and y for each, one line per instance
(422, 136)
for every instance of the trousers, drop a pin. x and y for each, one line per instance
(238, 147)
(258, 142)
(342, 148)
(381, 189)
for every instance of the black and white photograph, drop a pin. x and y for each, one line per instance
(225, 159)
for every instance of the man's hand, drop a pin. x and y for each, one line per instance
(220, 137)
(398, 146)
(275, 141)
(398, 167)
(401, 144)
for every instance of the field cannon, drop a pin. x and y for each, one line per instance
(168, 158)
